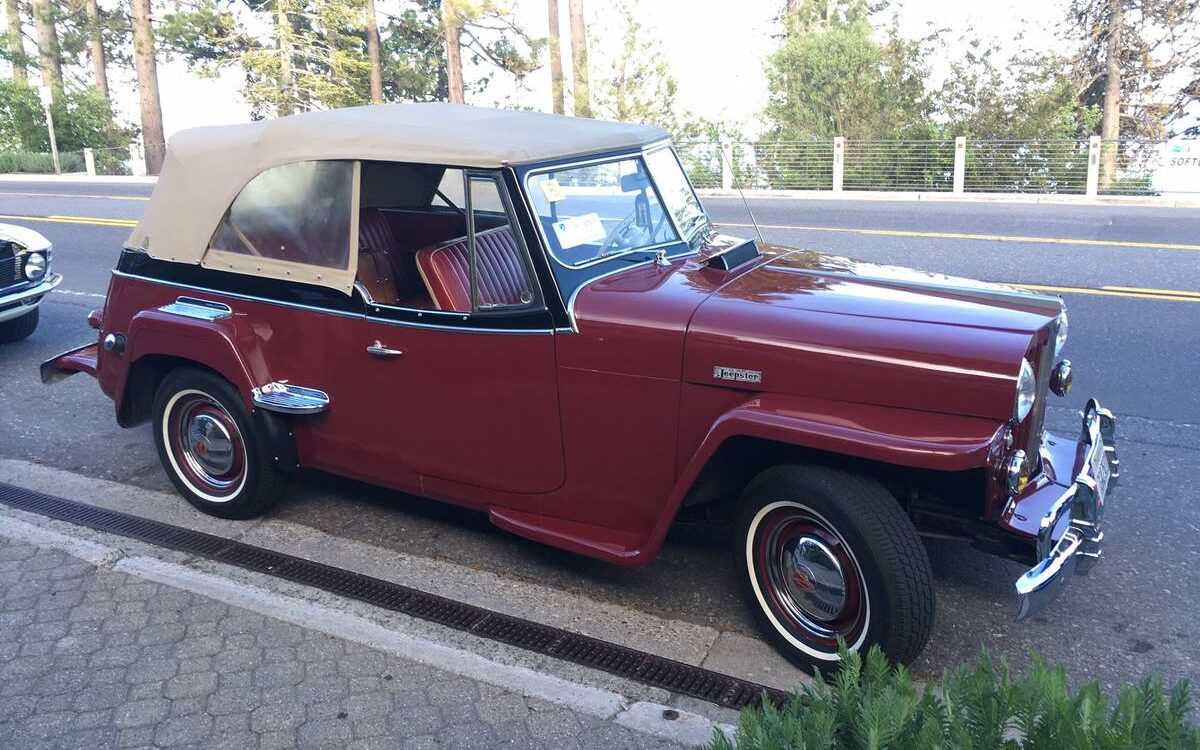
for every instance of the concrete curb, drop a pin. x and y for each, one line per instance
(648, 718)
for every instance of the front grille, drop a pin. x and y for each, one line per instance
(9, 272)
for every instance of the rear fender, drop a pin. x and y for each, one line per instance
(882, 434)
(210, 343)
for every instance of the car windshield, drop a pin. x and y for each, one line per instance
(594, 211)
(676, 191)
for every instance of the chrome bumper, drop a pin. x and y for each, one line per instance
(1069, 535)
(16, 304)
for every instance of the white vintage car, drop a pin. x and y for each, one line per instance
(25, 278)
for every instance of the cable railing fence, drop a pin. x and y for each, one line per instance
(1126, 166)
(900, 165)
(1091, 166)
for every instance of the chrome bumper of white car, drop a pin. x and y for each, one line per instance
(16, 304)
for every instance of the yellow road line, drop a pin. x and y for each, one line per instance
(78, 195)
(1166, 295)
(983, 237)
(75, 220)
(1144, 290)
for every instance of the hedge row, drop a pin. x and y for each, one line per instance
(31, 161)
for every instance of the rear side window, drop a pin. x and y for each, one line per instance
(297, 212)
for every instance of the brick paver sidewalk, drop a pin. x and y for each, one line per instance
(98, 659)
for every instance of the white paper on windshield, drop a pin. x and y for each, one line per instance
(579, 230)
(552, 190)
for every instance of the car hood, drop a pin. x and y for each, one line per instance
(837, 328)
(23, 236)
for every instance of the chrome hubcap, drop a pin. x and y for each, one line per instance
(812, 578)
(208, 446)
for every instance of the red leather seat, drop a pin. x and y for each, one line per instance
(384, 268)
(502, 276)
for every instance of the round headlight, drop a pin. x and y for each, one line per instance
(35, 266)
(1026, 391)
(1061, 339)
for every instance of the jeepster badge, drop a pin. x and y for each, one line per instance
(736, 375)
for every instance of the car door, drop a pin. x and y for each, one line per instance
(470, 383)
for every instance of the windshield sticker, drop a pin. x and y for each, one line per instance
(552, 190)
(579, 230)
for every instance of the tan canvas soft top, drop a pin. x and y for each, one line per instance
(207, 167)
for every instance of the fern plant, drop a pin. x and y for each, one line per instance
(870, 705)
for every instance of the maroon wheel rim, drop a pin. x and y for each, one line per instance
(206, 445)
(809, 578)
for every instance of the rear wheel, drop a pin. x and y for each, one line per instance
(208, 447)
(19, 328)
(825, 554)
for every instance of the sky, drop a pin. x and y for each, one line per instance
(715, 49)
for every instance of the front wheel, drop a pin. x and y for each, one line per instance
(824, 555)
(20, 327)
(208, 447)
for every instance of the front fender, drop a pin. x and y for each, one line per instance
(901, 437)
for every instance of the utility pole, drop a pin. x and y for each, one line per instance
(46, 94)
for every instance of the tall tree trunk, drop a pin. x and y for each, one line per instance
(283, 38)
(16, 46)
(1110, 116)
(147, 77)
(96, 48)
(49, 57)
(373, 55)
(579, 59)
(556, 71)
(452, 29)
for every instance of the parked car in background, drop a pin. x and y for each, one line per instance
(25, 278)
(533, 316)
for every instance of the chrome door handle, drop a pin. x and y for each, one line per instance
(379, 350)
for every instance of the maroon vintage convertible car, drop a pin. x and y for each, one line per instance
(533, 316)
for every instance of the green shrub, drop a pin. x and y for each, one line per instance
(29, 161)
(869, 705)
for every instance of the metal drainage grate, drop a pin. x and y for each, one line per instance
(621, 661)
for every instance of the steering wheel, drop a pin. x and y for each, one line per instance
(623, 234)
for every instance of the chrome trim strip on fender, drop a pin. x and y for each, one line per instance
(201, 309)
(286, 398)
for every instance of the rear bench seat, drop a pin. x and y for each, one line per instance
(502, 277)
(384, 269)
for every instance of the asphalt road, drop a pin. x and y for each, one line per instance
(1133, 275)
